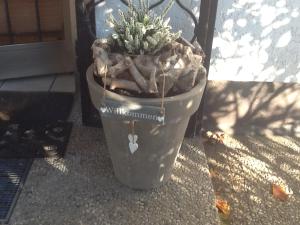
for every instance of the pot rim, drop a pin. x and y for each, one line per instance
(113, 95)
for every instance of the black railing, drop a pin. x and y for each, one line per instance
(203, 33)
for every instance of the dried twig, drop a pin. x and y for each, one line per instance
(177, 62)
(122, 84)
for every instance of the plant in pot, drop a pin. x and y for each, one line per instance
(146, 82)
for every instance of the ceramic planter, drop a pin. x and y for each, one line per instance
(156, 145)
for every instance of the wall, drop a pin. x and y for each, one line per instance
(255, 68)
(257, 40)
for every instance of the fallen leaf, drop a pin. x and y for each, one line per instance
(278, 192)
(213, 138)
(220, 137)
(223, 207)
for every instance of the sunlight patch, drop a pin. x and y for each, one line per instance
(284, 40)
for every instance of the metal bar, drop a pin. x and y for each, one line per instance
(156, 4)
(210, 31)
(90, 5)
(85, 38)
(205, 30)
(89, 15)
(201, 30)
(38, 19)
(125, 2)
(8, 22)
(191, 15)
(205, 33)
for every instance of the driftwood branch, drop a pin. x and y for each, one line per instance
(144, 64)
(152, 81)
(117, 69)
(140, 80)
(101, 60)
(176, 68)
(122, 84)
(187, 81)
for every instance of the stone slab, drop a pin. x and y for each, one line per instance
(64, 83)
(32, 84)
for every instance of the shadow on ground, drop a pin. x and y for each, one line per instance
(244, 168)
(252, 107)
(82, 189)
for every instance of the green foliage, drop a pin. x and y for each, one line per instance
(139, 31)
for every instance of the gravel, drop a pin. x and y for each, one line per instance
(82, 189)
(246, 166)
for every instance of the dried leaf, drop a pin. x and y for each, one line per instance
(223, 207)
(278, 192)
(214, 138)
(219, 137)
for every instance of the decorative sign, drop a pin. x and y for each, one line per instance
(132, 111)
(133, 146)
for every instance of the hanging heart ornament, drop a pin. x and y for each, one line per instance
(133, 146)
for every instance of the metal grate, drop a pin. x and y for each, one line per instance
(13, 174)
(37, 35)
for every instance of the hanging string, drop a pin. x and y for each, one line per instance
(104, 83)
(131, 127)
(163, 90)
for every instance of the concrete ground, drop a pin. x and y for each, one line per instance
(243, 169)
(82, 189)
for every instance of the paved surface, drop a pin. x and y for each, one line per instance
(243, 170)
(81, 189)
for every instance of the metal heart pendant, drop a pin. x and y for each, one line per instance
(103, 109)
(160, 119)
(133, 146)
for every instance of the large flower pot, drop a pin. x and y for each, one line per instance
(158, 144)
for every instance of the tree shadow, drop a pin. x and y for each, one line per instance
(252, 107)
(245, 167)
(256, 41)
(255, 68)
(253, 93)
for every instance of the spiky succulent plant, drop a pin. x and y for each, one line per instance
(139, 31)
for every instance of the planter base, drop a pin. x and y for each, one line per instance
(151, 164)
